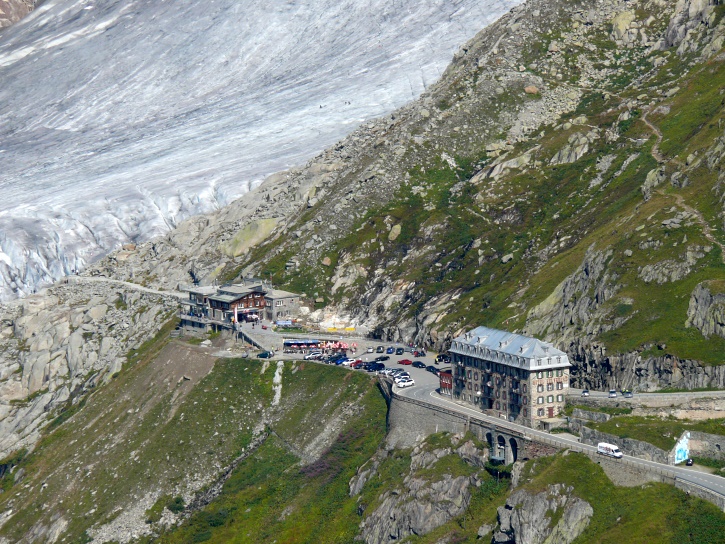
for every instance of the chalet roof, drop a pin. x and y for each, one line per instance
(279, 293)
(225, 298)
(240, 290)
(509, 348)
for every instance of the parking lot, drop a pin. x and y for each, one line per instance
(421, 376)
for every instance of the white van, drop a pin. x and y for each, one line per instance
(609, 449)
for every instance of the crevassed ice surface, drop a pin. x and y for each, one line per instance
(119, 118)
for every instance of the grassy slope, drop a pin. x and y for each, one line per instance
(654, 513)
(145, 436)
(270, 496)
(662, 433)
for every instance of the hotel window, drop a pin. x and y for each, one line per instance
(469, 374)
(540, 412)
(538, 362)
(550, 374)
(526, 400)
(475, 375)
(498, 406)
(540, 400)
(526, 412)
(503, 395)
(540, 388)
(550, 398)
(540, 375)
(525, 388)
(559, 398)
(559, 373)
(549, 386)
(560, 385)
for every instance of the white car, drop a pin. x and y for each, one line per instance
(405, 383)
(399, 379)
(371, 349)
(312, 355)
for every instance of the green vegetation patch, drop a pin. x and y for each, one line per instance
(272, 496)
(662, 433)
(651, 513)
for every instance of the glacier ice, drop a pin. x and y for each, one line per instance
(120, 118)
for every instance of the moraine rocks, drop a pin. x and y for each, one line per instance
(527, 519)
(64, 341)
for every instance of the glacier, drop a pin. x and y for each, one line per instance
(121, 118)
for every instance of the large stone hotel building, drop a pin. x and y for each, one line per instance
(508, 375)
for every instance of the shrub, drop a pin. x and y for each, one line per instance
(176, 505)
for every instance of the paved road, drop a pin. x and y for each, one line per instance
(642, 397)
(425, 391)
(127, 284)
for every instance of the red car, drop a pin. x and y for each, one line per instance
(405, 362)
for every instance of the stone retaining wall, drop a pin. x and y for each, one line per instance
(629, 446)
(707, 445)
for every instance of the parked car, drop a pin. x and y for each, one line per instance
(380, 349)
(370, 349)
(406, 383)
(312, 355)
(689, 462)
(357, 364)
(418, 364)
(612, 394)
(585, 392)
(399, 351)
(264, 327)
(382, 358)
(265, 354)
(405, 362)
(627, 394)
(442, 358)
(419, 353)
(390, 350)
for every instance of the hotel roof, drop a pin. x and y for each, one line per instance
(509, 348)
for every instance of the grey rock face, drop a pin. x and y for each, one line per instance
(11, 11)
(706, 311)
(670, 270)
(576, 300)
(418, 506)
(64, 341)
(525, 519)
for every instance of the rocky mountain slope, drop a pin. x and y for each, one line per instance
(564, 178)
(11, 11)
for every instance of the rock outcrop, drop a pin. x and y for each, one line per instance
(11, 11)
(706, 311)
(57, 344)
(527, 518)
(418, 505)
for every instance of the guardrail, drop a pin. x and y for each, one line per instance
(653, 396)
